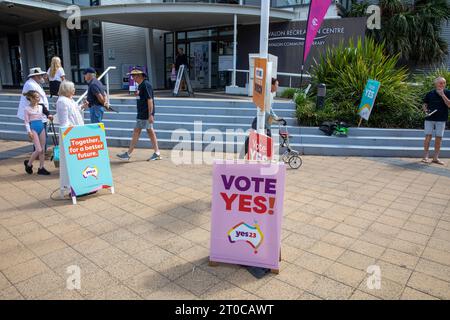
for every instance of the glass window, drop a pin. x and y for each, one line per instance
(52, 44)
(181, 35)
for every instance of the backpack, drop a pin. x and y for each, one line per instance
(328, 127)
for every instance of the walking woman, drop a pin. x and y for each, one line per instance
(56, 75)
(33, 116)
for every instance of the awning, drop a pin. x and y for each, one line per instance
(179, 16)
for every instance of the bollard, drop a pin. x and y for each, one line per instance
(321, 93)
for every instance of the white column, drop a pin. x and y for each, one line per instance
(150, 58)
(24, 55)
(233, 80)
(263, 53)
(65, 43)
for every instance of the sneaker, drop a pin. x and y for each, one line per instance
(43, 172)
(28, 169)
(154, 156)
(123, 156)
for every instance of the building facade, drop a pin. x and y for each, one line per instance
(133, 33)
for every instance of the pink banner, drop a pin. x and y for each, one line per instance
(317, 11)
(247, 209)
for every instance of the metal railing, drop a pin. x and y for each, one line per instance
(283, 74)
(100, 78)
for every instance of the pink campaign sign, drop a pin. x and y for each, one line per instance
(247, 210)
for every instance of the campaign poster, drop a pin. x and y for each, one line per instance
(85, 166)
(247, 210)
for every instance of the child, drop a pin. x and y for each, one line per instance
(33, 115)
(173, 76)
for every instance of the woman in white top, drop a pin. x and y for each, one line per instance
(56, 75)
(69, 113)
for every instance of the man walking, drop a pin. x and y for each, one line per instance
(145, 115)
(96, 96)
(435, 104)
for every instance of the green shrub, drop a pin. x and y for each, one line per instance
(345, 70)
(426, 81)
(288, 93)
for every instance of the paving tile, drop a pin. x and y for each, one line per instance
(313, 262)
(227, 291)
(436, 255)
(146, 283)
(171, 291)
(360, 295)
(278, 290)
(197, 281)
(125, 268)
(10, 293)
(243, 279)
(367, 248)
(412, 294)
(39, 285)
(153, 256)
(345, 274)
(326, 250)
(356, 260)
(43, 247)
(25, 270)
(429, 285)
(399, 258)
(329, 289)
(60, 257)
(389, 290)
(14, 257)
(434, 269)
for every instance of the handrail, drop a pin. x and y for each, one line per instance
(100, 78)
(286, 74)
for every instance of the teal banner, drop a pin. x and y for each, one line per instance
(368, 98)
(86, 159)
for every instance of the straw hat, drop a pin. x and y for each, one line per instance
(36, 71)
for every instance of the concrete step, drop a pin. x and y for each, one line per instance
(228, 146)
(8, 108)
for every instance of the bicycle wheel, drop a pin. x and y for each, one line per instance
(295, 162)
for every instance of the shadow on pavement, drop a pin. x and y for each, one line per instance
(435, 169)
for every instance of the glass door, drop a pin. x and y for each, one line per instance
(200, 64)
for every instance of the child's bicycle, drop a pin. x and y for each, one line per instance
(290, 156)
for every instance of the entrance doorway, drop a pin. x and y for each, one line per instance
(204, 49)
(15, 59)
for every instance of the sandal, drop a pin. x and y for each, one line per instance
(438, 162)
(426, 160)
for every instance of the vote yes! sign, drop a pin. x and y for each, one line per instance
(247, 209)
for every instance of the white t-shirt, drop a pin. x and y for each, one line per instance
(31, 85)
(58, 74)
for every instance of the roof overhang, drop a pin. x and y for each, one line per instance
(179, 16)
(25, 15)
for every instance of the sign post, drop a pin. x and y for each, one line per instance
(368, 100)
(84, 160)
(247, 210)
(182, 73)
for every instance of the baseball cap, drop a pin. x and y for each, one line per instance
(89, 70)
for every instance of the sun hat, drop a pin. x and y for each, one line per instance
(36, 71)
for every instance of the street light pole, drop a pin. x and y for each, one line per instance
(263, 53)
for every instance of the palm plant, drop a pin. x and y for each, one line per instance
(410, 29)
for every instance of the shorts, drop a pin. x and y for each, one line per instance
(143, 124)
(438, 126)
(96, 113)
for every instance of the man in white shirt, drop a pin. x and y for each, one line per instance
(35, 79)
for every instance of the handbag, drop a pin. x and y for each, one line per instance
(55, 151)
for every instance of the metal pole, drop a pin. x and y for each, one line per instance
(263, 53)
(233, 81)
(107, 87)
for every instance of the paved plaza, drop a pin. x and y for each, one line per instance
(150, 240)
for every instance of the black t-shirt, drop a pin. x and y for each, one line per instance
(435, 102)
(145, 92)
(95, 87)
(179, 60)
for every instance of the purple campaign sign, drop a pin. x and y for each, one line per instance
(247, 210)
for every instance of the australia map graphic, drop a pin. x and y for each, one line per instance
(250, 234)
